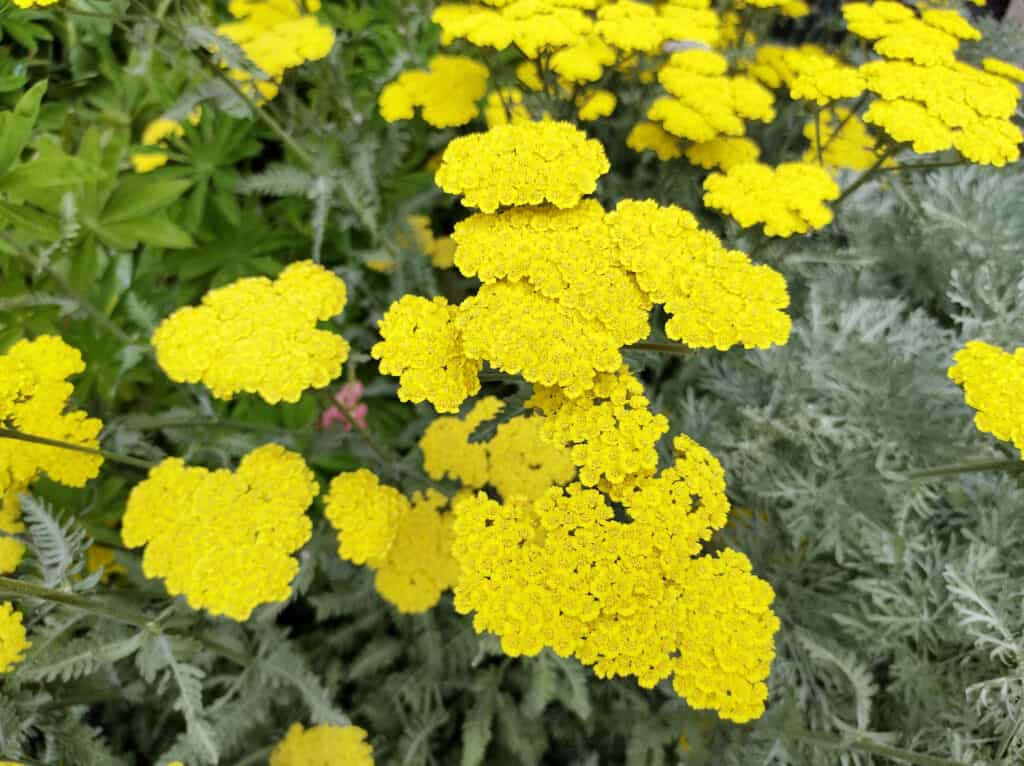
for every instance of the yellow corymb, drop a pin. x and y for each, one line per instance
(323, 745)
(223, 539)
(258, 335)
(993, 384)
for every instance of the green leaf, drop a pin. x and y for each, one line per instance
(16, 126)
(49, 172)
(140, 195)
(38, 224)
(478, 725)
(159, 231)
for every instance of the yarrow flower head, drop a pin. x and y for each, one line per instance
(12, 550)
(530, 25)
(944, 107)
(407, 542)
(223, 538)
(788, 199)
(323, 745)
(651, 136)
(993, 384)
(629, 599)
(13, 640)
(424, 347)
(930, 37)
(258, 335)
(705, 102)
(276, 35)
(522, 164)
(723, 152)
(448, 452)
(156, 134)
(33, 397)
(448, 92)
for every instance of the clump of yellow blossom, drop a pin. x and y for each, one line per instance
(516, 460)
(504, 106)
(610, 433)
(565, 255)
(12, 550)
(13, 640)
(792, 8)
(101, 557)
(898, 32)
(258, 335)
(407, 542)
(323, 745)
(448, 92)
(845, 141)
(419, 565)
(788, 199)
(33, 397)
(30, 3)
(447, 450)
(522, 164)
(993, 384)
(1003, 69)
(636, 27)
(156, 134)
(705, 102)
(365, 513)
(723, 152)
(626, 598)
(276, 35)
(946, 106)
(716, 297)
(596, 104)
(223, 538)
(650, 135)
(423, 345)
(530, 25)
(522, 463)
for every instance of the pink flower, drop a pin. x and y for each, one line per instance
(349, 410)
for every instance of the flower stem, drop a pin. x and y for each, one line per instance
(968, 467)
(11, 588)
(10, 433)
(923, 166)
(867, 175)
(868, 746)
(665, 348)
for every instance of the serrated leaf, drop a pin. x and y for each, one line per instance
(59, 546)
(78, 658)
(158, 231)
(40, 225)
(48, 172)
(478, 726)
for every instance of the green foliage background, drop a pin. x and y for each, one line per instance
(900, 595)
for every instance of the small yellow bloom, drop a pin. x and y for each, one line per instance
(323, 745)
(13, 641)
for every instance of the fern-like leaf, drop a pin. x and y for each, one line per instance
(59, 546)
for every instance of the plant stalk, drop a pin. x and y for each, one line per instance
(868, 746)
(968, 467)
(665, 348)
(114, 457)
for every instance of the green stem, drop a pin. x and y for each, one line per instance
(969, 467)
(842, 123)
(102, 319)
(11, 588)
(10, 433)
(867, 175)
(664, 348)
(868, 746)
(227, 424)
(817, 136)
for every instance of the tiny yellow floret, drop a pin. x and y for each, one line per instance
(993, 384)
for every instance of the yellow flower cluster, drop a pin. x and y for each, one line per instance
(946, 106)
(258, 335)
(610, 433)
(596, 104)
(522, 164)
(33, 395)
(424, 347)
(723, 152)
(929, 37)
(788, 199)
(993, 384)
(276, 35)
(705, 102)
(650, 135)
(587, 33)
(845, 141)
(407, 541)
(517, 460)
(448, 92)
(223, 539)
(323, 745)
(13, 640)
(629, 599)
(716, 297)
(1003, 69)
(156, 134)
(12, 550)
(808, 72)
(795, 9)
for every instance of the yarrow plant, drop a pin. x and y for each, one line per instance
(512, 382)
